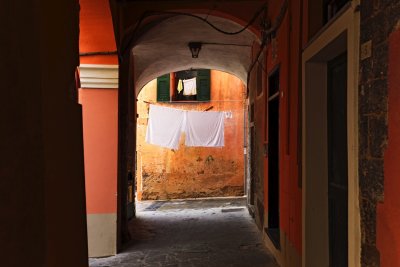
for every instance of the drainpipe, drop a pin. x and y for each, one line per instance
(288, 80)
(299, 104)
(245, 147)
(267, 36)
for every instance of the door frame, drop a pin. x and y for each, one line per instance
(337, 37)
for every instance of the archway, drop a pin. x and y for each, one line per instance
(171, 168)
(163, 48)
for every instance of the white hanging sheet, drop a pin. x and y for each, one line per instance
(204, 129)
(189, 87)
(165, 126)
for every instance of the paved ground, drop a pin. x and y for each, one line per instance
(192, 233)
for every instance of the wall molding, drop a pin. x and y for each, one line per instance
(98, 76)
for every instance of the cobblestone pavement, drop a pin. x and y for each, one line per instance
(192, 233)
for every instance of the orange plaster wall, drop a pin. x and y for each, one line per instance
(388, 213)
(100, 129)
(285, 53)
(194, 171)
(96, 32)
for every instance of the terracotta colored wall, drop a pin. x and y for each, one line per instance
(100, 143)
(99, 109)
(100, 129)
(284, 52)
(388, 212)
(96, 32)
(194, 171)
(288, 58)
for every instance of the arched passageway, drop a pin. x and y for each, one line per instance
(160, 46)
(232, 40)
(154, 44)
(196, 231)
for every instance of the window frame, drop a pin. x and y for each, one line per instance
(203, 86)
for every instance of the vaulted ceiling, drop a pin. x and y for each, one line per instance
(165, 48)
(159, 43)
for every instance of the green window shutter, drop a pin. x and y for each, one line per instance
(203, 85)
(163, 93)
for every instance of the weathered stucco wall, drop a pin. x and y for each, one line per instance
(191, 172)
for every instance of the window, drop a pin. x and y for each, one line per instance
(332, 7)
(188, 85)
(163, 91)
(321, 12)
(273, 83)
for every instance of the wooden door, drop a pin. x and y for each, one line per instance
(337, 162)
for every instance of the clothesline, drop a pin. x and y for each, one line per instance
(192, 102)
(207, 109)
(228, 114)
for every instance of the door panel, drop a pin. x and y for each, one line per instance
(273, 230)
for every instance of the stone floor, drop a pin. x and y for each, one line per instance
(185, 233)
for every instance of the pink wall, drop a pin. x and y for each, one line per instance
(388, 213)
(99, 108)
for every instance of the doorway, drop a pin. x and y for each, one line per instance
(251, 191)
(337, 161)
(273, 158)
(331, 217)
